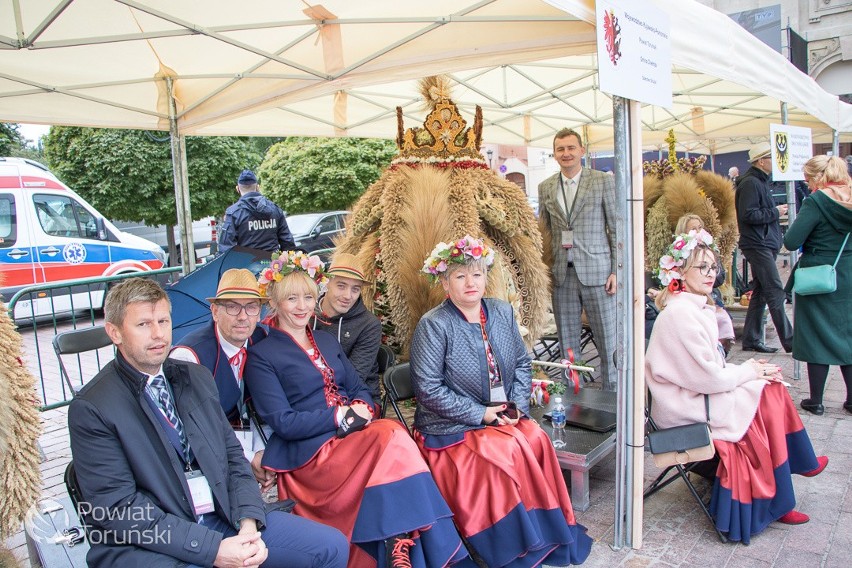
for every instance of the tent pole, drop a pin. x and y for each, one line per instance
(835, 143)
(791, 216)
(184, 215)
(628, 192)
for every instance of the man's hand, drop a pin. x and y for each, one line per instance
(241, 550)
(263, 476)
(610, 285)
(782, 209)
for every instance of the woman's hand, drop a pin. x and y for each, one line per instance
(363, 411)
(764, 370)
(493, 414)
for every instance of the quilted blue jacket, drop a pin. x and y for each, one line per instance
(450, 373)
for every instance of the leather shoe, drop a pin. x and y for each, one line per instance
(794, 518)
(760, 348)
(822, 461)
(812, 407)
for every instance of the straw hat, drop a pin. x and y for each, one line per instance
(237, 284)
(760, 151)
(346, 265)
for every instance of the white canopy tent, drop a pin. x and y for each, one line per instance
(273, 67)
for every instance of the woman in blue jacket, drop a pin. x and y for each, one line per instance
(495, 467)
(341, 465)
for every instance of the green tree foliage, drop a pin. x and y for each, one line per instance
(316, 174)
(127, 175)
(10, 139)
(12, 143)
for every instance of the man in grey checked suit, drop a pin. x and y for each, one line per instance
(578, 207)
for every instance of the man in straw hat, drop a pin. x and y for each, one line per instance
(760, 240)
(342, 313)
(221, 346)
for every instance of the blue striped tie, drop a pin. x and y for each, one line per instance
(158, 386)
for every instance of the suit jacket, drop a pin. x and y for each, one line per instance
(133, 478)
(593, 219)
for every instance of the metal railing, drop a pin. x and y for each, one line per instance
(44, 310)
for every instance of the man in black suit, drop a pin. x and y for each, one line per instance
(162, 475)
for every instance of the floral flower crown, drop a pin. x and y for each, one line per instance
(678, 252)
(283, 263)
(460, 252)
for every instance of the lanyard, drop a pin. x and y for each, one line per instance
(493, 370)
(568, 209)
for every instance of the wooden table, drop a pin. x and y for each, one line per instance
(584, 448)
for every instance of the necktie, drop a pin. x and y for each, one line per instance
(161, 392)
(571, 194)
(239, 361)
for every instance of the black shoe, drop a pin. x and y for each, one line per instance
(812, 407)
(760, 348)
(848, 407)
(397, 551)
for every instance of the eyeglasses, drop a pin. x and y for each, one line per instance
(234, 309)
(706, 269)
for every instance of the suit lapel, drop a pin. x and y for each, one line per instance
(582, 192)
(554, 206)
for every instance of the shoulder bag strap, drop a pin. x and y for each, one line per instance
(843, 246)
(707, 407)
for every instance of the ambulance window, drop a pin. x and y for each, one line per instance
(8, 221)
(87, 221)
(56, 215)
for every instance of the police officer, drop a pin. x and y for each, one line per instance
(254, 221)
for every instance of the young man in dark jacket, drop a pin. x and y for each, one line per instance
(254, 221)
(163, 479)
(760, 240)
(342, 313)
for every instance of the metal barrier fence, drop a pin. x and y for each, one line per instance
(43, 311)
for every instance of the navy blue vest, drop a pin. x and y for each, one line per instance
(205, 343)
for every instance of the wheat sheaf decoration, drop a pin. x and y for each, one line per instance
(20, 478)
(439, 188)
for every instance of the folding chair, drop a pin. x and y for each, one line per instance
(75, 342)
(386, 359)
(679, 471)
(398, 387)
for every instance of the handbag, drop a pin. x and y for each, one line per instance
(821, 279)
(681, 445)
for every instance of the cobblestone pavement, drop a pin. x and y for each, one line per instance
(675, 532)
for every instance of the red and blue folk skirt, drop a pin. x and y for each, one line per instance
(506, 490)
(753, 484)
(373, 485)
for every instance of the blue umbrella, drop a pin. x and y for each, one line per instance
(190, 309)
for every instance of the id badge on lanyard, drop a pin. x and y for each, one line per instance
(498, 393)
(199, 490)
(568, 238)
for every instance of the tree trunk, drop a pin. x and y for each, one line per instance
(174, 257)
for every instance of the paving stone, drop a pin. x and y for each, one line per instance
(813, 537)
(765, 546)
(738, 561)
(792, 558)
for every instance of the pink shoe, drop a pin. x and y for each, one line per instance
(794, 518)
(822, 461)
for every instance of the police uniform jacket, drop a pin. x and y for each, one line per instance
(255, 222)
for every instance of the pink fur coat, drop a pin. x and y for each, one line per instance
(682, 364)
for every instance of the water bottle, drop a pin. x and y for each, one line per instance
(557, 414)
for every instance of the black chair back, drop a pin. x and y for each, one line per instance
(398, 387)
(75, 342)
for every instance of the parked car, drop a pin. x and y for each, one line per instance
(203, 232)
(49, 234)
(313, 231)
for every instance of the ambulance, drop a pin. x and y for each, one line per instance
(50, 234)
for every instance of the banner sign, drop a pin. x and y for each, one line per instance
(791, 148)
(634, 51)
